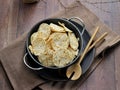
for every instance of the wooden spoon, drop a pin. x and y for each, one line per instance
(76, 68)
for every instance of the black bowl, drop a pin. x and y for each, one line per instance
(69, 25)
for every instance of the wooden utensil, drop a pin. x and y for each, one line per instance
(76, 68)
(98, 40)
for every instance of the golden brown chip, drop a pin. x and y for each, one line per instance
(65, 28)
(44, 31)
(39, 46)
(59, 40)
(72, 53)
(48, 44)
(73, 41)
(31, 49)
(76, 52)
(50, 38)
(46, 59)
(56, 28)
(61, 57)
(33, 37)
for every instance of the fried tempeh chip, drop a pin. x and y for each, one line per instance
(46, 59)
(33, 37)
(56, 28)
(65, 28)
(73, 41)
(44, 31)
(72, 52)
(39, 46)
(59, 40)
(31, 49)
(61, 57)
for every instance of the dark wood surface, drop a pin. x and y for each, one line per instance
(16, 18)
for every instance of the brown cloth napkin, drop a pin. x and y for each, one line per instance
(21, 78)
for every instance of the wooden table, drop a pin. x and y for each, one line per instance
(16, 18)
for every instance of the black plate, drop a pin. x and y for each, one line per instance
(59, 75)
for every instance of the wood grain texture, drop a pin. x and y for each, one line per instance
(16, 18)
(104, 77)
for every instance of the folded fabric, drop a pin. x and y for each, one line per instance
(21, 78)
